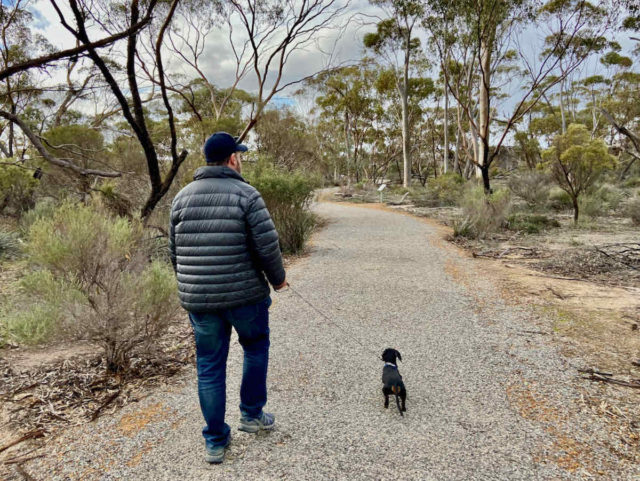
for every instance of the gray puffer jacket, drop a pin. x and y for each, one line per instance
(222, 242)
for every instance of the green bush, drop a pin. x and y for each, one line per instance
(17, 188)
(287, 196)
(532, 186)
(601, 201)
(9, 244)
(37, 325)
(482, 214)
(559, 200)
(631, 182)
(445, 190)
(633, 210)
(530, 223)
(92, 275)
(42, 208)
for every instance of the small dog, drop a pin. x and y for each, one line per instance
(392, 380)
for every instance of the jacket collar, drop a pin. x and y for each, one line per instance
(218, 172)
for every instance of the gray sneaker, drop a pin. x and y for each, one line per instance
(265, 422)
(216, 455)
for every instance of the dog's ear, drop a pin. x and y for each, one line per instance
(398, 354)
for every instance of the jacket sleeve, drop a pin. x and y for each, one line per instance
(172, 240)
(264, 240)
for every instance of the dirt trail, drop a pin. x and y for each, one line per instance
(489, 394)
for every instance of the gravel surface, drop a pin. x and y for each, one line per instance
(489, 396)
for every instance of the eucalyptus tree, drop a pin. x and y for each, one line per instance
(394, 40)
(496, 31)
(348, 94)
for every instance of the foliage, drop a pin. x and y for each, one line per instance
(601, 201)
(287, 196)
(576, 161)
(42, 208)
(530, 223)
(444, 190)
(9, 244)
(482, 214)
(632, 182)
(37, 325)
(17, 188)
(93, 275)
(559, 200)
(532, 186)
(633, 210)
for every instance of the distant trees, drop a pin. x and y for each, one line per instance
(136, 77)
(394, 41)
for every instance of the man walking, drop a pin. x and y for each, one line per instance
(223, 243)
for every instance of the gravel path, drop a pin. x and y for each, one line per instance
(487, 398)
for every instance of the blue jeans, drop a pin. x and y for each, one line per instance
(212, 332)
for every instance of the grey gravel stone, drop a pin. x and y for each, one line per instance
(384, 282)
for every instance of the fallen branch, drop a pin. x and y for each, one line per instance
(36, 433)
(616, 259)
(109, 400)
(22, 459)
(607, 377)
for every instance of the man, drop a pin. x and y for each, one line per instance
(223, 242)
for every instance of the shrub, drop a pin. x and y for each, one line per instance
(483, 214)
(532, 186)
(631, 182)
(287, 196)
(531, 223)
(17, 188)
(9, 244)
(559, 199)
(95, 279)
(446, 190)
(601, 201)
(633, 210)
(37, 325)
(43, 208)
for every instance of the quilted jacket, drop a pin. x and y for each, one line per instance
(222, 242)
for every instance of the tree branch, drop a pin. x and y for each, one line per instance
(35, 141)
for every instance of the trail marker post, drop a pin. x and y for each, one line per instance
(380, 189)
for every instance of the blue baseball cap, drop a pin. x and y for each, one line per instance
(220, 146)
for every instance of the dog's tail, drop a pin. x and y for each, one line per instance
(396, 390)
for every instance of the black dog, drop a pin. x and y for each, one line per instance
(392, 380)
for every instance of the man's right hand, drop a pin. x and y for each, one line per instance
(281, 286)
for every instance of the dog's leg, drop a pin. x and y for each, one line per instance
(386, 397)
(403, 397)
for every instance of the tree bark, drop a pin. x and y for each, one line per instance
(484, 107)
(445, 163)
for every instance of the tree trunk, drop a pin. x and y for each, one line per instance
(484, 108)
(116, 357)
(445, 163)
(347, 134)
(575, 209)
(485, 179)
(406, 155)
(562, 112)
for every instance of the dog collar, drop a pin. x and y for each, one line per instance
(390, 364)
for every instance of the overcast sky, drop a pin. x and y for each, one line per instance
(345, 45)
